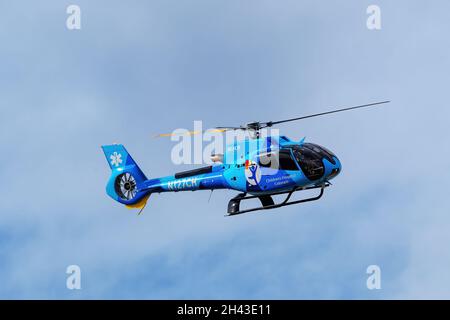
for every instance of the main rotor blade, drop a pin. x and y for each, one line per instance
(223, 129)
(270, 123)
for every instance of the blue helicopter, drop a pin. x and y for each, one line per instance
(277, 166)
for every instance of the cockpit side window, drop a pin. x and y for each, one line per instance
(286, 161)
(278, 160)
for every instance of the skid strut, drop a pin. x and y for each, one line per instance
(267, 201)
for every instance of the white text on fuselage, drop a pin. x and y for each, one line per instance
(181, 184)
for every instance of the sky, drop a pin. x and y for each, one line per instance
(139, 68)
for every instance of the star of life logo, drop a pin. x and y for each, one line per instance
(116, 159)
(252, 172)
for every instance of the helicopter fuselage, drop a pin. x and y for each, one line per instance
(271, 167)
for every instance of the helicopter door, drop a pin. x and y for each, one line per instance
(286, 160)
(274, 167)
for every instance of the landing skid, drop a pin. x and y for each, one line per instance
(267, 201)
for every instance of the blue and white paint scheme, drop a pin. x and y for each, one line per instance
(260, 166)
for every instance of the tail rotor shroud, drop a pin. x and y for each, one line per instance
(125, 186)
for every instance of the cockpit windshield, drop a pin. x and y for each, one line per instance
(325, 153)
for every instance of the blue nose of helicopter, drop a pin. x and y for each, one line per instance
(332, 170)
(331, 163)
